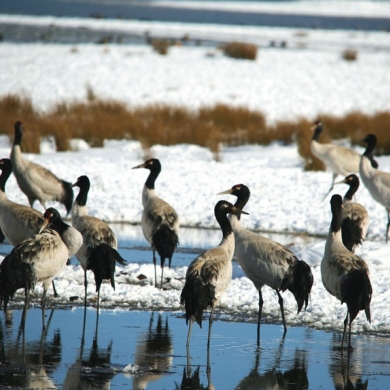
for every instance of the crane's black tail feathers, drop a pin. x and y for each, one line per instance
(67, 199)
(299, 282)
(101, 262)
(165, 241)
(196, 298)
(356, 292)
(351, 234)
(14, 274)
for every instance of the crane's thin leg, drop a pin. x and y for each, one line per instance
(388, 225)
(24, 314)
(98, 302)
(208, 370)
(189, 369)
(155, 268)
(331, 187)
(345, 328)
(162, 276)
(189, 332)
(211, 320)
(350, 348)
(282, 310)
(54, 289)
(85, 287)
(259, 316)
(43, 309)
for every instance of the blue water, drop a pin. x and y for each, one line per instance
(75, 357)
(149, 11)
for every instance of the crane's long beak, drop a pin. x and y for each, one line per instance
(44, 224)
(341, 182)
(229, 191)
(139, 166)
(236, 210)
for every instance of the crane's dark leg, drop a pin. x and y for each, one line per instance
(162, 275)
(98, 302)
(211, 320)
(388, 225)
(345, 328)
(350, 348)
(24, 314)
(189, 332)
(259, 316)
(331, 187)
(54, 289)
(43, 308)
(282, 310)
(85, 287)
(208, 371)
(155, 268)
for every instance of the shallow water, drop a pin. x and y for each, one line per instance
(155, 342)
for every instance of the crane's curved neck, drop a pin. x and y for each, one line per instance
(17, 137)
(5, 174)
(370, 149)
(335, 225)
(224, 223)
(82, 196)
(60, 226)
(152, 178)
(353, 187)
(242, 200)
(317, 133)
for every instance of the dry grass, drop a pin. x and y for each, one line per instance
(96, 120)
(240, 50)
(349, 55)
(160, 45)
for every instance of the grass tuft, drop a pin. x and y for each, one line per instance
(240, 50)
(96, 120)
(160, 45)
(349, 55)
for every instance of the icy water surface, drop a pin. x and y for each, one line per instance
(139, 350)
(128, 349)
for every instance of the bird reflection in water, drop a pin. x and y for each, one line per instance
(153, 354)
(29, 364)
(93, 370)
(339, 368)
(275, 378)
(191, 379)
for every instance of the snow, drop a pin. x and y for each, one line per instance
(283, 83)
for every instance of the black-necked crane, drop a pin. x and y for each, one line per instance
(36, 181)
(345, 275)
(209, 275)
(160, 222)
(268, 263)
(38, 259)
(99, 250)
(340, 160)
(376, 181)
(17, 221)
(354, 223)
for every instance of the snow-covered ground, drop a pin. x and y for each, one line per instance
(307, 78)
(283, 198)
(283, 83)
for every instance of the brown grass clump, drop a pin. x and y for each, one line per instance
(349, 55)
(240, 50)
(160, 45)
(96, 120)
